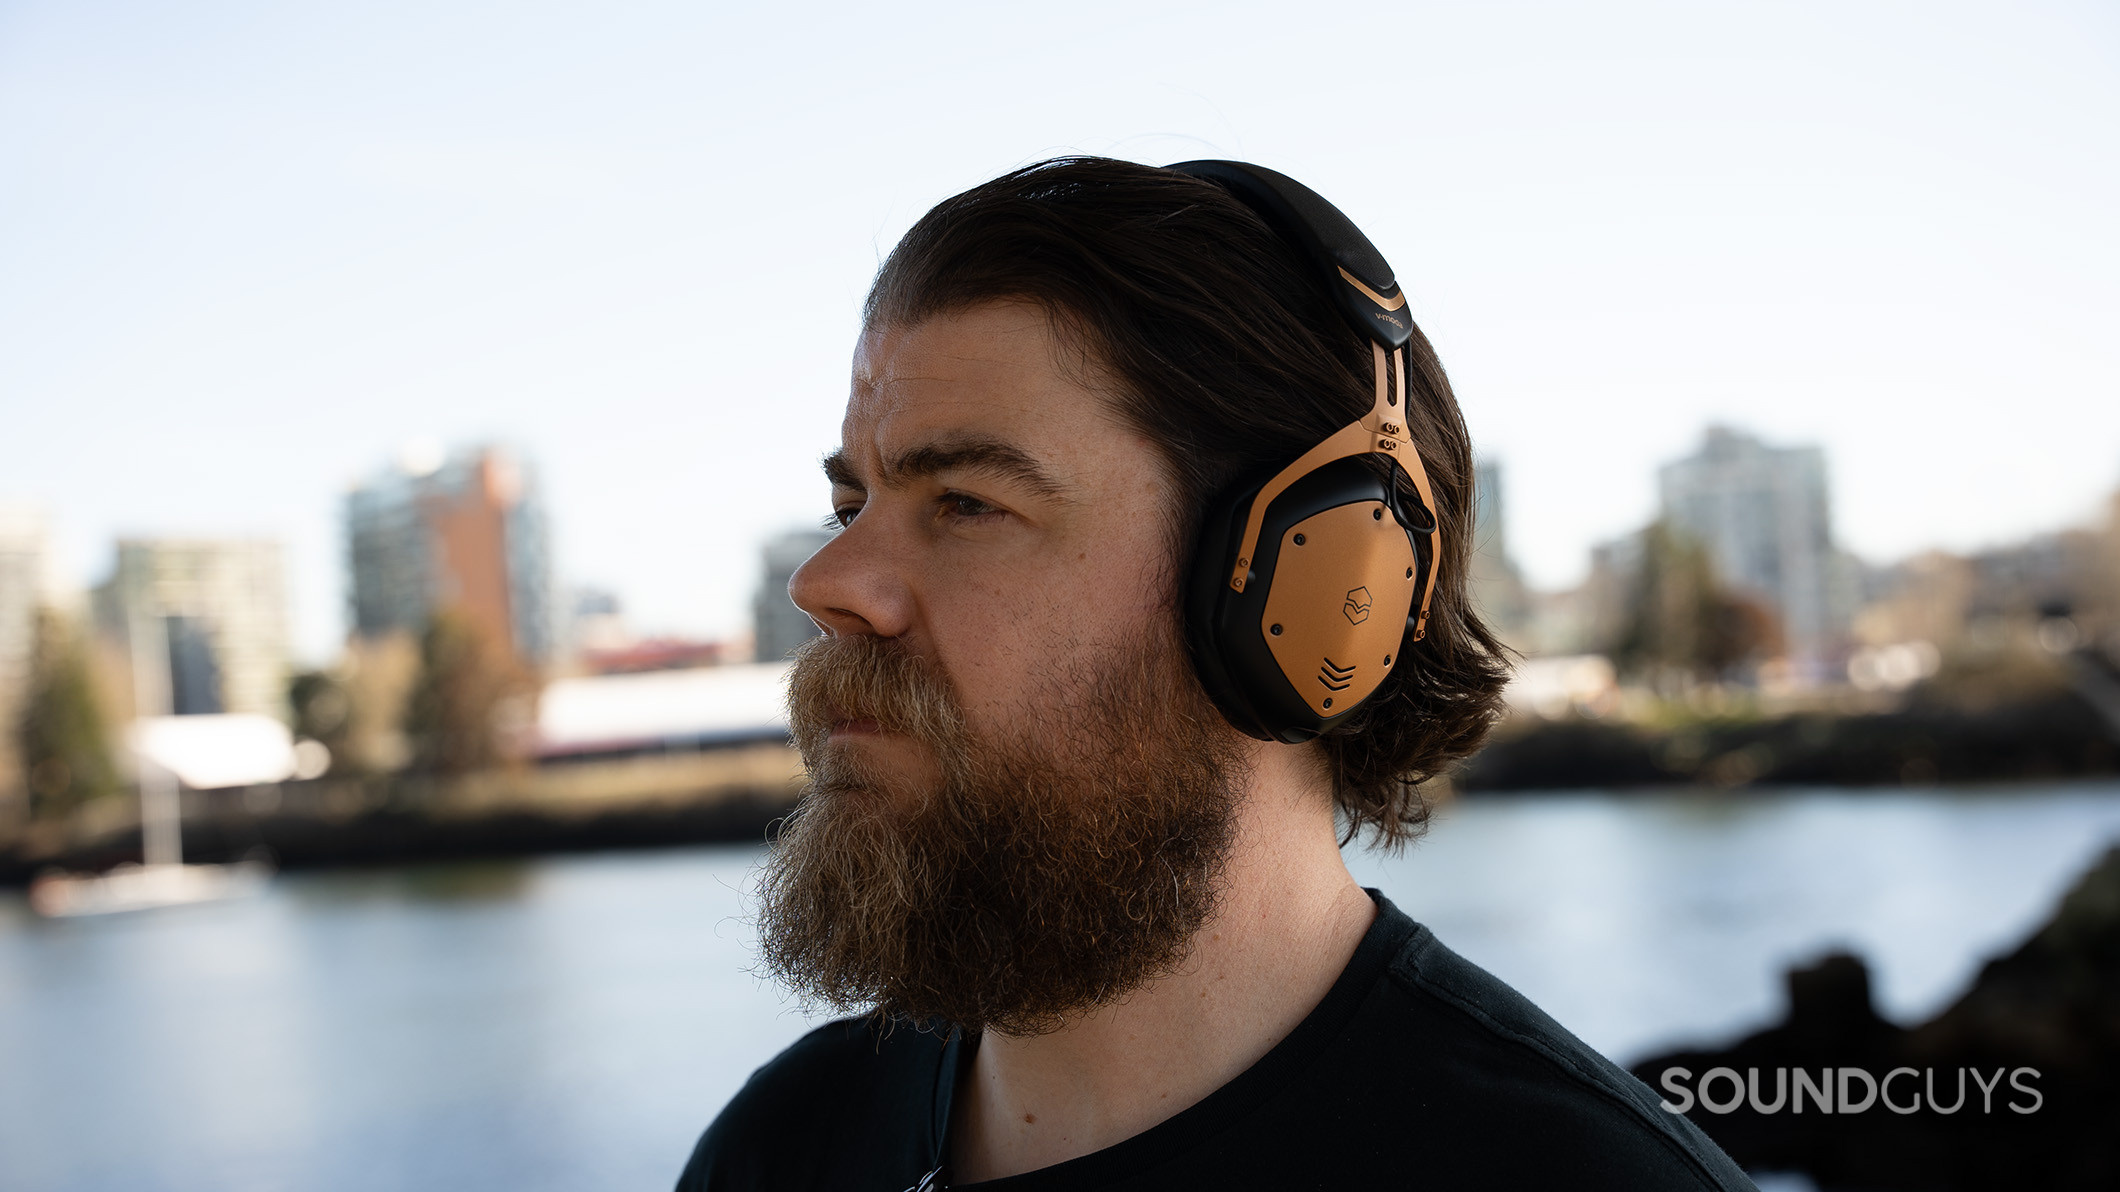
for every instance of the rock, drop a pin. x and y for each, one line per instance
(2034, 1046)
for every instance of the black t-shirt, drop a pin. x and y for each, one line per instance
(1418, 1070)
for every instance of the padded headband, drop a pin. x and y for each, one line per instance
(1353, 271)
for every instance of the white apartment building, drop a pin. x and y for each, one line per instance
(205, 619)
(1763, 514)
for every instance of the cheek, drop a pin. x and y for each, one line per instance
(994, 632)
(1011, 642)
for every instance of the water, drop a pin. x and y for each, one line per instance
(572, 1023)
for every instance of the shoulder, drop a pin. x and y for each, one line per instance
(1518, 1073)
(787, 1126)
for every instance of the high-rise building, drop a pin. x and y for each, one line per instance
(1497, 587)
(1763, 515)
(780, 626)
(206, 621)
(466, 533)
(1490, 530)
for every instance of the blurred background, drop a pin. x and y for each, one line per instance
(410, 415)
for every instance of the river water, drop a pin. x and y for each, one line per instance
(572, 1023)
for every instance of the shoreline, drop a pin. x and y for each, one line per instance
(2057, 737)
(707, 797)
(733, 795)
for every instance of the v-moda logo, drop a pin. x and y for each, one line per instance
(1357, 606)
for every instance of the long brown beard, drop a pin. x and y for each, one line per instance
(1041, 877)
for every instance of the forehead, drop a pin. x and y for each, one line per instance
(996, 371)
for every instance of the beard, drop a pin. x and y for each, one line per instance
(1034, 877)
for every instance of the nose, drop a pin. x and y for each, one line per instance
(850, 587)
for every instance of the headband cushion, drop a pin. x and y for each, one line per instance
(1369, 298)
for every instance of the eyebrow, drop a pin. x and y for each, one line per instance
(980, 456)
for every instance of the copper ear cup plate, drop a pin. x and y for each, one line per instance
(1343, 584)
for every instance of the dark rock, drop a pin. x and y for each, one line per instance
(2040, 1029)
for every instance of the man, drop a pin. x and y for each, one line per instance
(1106, 939)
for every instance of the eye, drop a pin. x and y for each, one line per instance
(965, 505)
(842, 517)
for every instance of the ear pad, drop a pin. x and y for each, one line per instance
(1323, 613)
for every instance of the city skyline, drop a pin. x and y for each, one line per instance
(251, 251)
(1733, 491)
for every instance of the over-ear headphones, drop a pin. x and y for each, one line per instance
(1305, 587)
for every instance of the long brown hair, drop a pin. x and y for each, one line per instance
(1217, 344)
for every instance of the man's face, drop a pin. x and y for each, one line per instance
(1000, 520)
(1019, 801)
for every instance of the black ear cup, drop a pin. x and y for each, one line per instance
(1296, 614)
(1320, 621)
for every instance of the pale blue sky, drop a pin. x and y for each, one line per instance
(247, 249)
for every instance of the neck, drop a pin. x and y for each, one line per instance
(1290, 919)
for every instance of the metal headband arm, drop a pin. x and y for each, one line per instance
(1382, 431)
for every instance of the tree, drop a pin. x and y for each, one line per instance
(1735, 630)
(1679, 617)
(468, 689)
(63, 736)
(323, 712)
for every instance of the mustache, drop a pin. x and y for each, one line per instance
(841, 678)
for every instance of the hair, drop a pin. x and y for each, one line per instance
(1217, 342)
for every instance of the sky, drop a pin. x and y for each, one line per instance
(250, 250)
